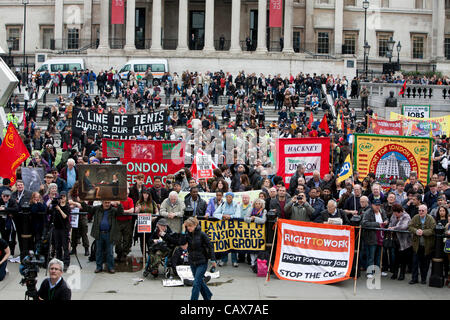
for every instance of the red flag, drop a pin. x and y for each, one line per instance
(324, 124)
(12, 153)
(311, 120)
(276, 14)
(402, 91)
(117, 12)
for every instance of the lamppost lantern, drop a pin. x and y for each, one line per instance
(366, 49)
(390, 44)
(399, 47)
(366, 4)
(10, 43)
(25, 2)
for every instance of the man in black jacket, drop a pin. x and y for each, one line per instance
(159, 194)
(8, 212)
(194, 201)
(54, 287)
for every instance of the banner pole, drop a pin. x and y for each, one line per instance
(271, 250)
(357, 259)
(144, 249)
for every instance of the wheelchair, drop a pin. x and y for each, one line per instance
(159, 254)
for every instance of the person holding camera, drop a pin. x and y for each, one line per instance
(60, 212)
(23, 219)
(299, 209)
(54, 288)
(8, 212)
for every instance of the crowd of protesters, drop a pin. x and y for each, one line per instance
(406, 205)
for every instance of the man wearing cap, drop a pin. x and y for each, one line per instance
(48, 179)
(172, 209)
(441, 202)
(373, 239)
(8, 211)
(62, 185)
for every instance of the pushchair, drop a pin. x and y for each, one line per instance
(159, 254)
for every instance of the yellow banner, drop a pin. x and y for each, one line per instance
(423, 127)
(235, 234)
(392, 157)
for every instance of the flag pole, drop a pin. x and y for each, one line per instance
(271, 250)
(357, 259)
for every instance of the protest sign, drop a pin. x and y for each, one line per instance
(378, 126)
(74, 218)
(254, 194)
(392, 157)
(234, 234)
(203, 165)
(117, 126)
(416, 111)
(313, 252)
(33, 178)
(423, 127)
(144, 223)
(185, 272)
(150, 157)
(312, 153)
(102, 182)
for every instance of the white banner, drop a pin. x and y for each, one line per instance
(312, 252)
(310, 163)
(237, 195)
(418, 111)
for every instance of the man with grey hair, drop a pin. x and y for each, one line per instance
(69, 173)
(172, 208)
(332, 212)
(54, 287)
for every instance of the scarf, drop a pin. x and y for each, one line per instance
(256, 213)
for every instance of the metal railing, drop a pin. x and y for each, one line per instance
(142, 44)
(116, 43)
(169, 44)
(225, 46)
(73, 46)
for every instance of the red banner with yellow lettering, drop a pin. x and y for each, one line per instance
(12, 153)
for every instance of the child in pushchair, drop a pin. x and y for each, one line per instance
(161, 245)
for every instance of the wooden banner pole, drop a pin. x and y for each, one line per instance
(357, 260)
(271, 250)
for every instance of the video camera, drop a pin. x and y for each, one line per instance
(29, 269)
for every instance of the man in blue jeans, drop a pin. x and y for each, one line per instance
(105, 231)
(4, 255)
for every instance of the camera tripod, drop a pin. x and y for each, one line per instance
(31, 292)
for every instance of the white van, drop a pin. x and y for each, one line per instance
(64, 65)
(140, 66)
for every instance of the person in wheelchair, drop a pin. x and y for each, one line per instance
(161, 245)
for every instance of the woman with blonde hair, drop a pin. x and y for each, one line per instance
(200, 250)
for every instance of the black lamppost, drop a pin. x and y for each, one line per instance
(365, 6)
(390, 49)
(10, 43)
(25, 65)
(366, 58)
(399, 48)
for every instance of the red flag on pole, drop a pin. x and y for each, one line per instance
(276, 14)
(324, 124)
(12, 153)
(117, 12)
(311, 120)
(402, 91)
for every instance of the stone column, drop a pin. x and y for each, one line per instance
(104, 25)
(262, 17)
(59, 24)
(87, 21)
(438, 23)
(209, 26)
(288, 13)
(235, 46)
(338, 26)
(182, 25)
(309, 26)
(156, 26)
(130, 25)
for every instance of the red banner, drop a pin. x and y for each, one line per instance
(276, 14)
(312, 153)
(12, 153)
(377, 126)
(150, 157)
(117, 12)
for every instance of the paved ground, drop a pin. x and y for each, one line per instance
(234, 284)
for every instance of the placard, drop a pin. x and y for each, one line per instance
(144, 223)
